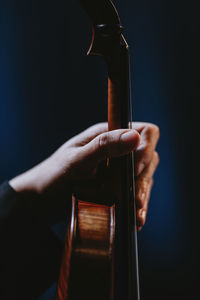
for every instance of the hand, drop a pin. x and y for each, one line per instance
(78, 159)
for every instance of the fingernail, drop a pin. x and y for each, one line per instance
(143, 194)
(143, 214)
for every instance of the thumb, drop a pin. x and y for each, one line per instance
(111, 144)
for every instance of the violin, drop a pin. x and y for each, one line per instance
(100, 258)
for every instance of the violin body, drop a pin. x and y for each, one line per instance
(100, 256)
(88, 254)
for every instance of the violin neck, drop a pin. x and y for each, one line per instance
(119, 104)
(119, 116)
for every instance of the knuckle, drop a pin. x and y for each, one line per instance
(102, 142)
(145, 153)
(152, 131)
(144, 182)
(155, 130)
(149, 129)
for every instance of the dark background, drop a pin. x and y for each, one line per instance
(50, 90)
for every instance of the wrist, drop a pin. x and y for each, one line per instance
(23, 184)
(29, 182)
(39, 179)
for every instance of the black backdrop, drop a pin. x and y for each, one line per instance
(50, 90)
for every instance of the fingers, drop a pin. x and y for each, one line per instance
(143, 185)
(142, 213)
(146, 161)
(149, 135)
(111, 144)
(82, 161)
(87, 135)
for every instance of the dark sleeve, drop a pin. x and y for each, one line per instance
(11, 204)
(30, 251)
(49, 209)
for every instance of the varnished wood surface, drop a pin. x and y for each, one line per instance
(62, 289)
(88, 257)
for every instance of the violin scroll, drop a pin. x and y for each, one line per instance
(106, 27)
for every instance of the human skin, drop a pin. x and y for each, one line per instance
(76, 161)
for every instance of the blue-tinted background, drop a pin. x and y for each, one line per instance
(50, 90)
